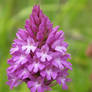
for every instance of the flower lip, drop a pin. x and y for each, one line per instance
(36, 65)
(44, 54)
(37, 84)
(29, 46)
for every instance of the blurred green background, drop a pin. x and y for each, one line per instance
(74, 18)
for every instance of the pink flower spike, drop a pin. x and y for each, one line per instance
(39, 55)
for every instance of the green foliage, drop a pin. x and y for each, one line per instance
(74, 18)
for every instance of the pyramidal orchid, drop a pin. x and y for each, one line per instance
(39, 55)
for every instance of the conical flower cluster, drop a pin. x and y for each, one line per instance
(39, 55)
